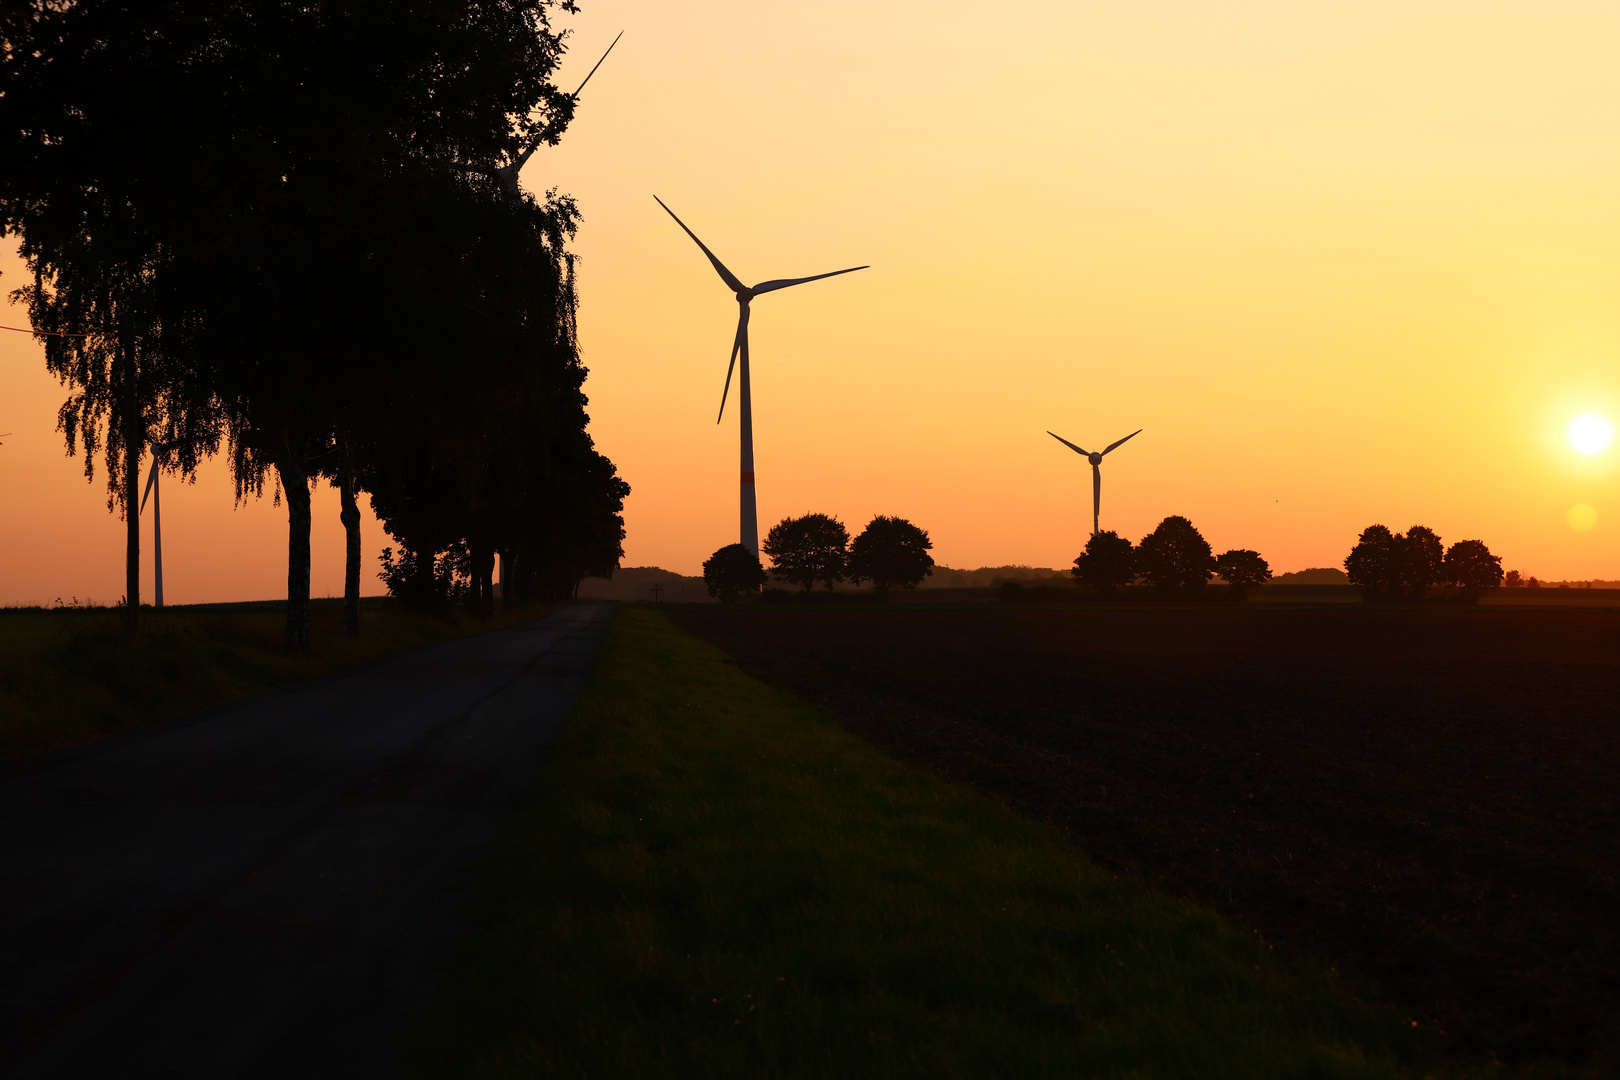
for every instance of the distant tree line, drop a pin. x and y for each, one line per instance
(291, 233)
(890, 552)
(1174, 559)
(1404, 566)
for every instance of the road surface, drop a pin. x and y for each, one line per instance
(268, 889)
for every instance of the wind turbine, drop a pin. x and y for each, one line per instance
(159, 452)
(745, 295)
(1096, 471)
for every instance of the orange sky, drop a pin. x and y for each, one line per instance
(1344, 264)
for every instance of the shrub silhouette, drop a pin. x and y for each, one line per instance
(1243, 569)
(808, 549)
(890, 552)
(731, 572)
(1175, 556)
(1108, 562)
(1470, 564)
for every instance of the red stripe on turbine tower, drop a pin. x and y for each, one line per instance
(748, 478)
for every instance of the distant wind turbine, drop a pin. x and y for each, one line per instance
(745, 295)
(159, 452)
(1096, 472)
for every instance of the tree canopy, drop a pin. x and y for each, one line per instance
(1108, 562)
(1242, 569)
(733, 572)
(1175, 557)
(808, 549)
(1470, 565)
(1391, 565)
(890, 552)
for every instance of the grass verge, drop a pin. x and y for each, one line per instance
(719, 881)
(70, 675)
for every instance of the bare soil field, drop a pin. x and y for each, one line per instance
(1424, 798)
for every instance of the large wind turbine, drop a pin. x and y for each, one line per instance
(1096, 471)
(159, 452)
(745, 295)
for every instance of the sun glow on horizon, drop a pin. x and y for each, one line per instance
(1590, 433)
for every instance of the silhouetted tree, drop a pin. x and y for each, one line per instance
(1175, 556)
(890, 552)
(1375, 562)
(1108, 562)
(1470, 564)
(126, 386)
(1422, 560)
(267, 146)
(1514, 580)
(808, 549)
(732, 572)
(1243, 569)
(1393, 565)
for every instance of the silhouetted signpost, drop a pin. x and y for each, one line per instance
(657, 588)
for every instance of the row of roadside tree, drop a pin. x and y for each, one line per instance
(292, 234)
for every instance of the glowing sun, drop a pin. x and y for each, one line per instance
(1590, 433)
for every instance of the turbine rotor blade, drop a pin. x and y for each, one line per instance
(1070, 445)
(587, 78)
(1125, 440)
(782, 283)
(725, 275)
(736, 346)
(151, 478)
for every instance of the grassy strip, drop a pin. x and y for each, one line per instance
(719, 881)
(69, 675)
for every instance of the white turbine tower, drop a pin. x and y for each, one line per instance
(159, 452)
(1096, 472)
(745, 295)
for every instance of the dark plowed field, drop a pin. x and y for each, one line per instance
(1424, 798)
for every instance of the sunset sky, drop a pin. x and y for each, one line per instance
(1343, 264)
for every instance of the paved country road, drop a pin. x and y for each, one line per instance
(266, 889)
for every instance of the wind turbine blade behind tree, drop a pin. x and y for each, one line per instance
(508, 174)
(748, 514)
